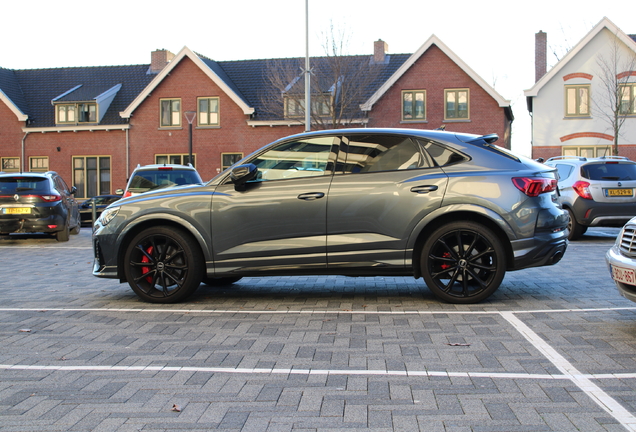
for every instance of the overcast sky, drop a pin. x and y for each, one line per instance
(494, 37)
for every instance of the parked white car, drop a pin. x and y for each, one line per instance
(621, 261)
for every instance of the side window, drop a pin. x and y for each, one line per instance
(295, 159)
(442, 155)
(564, 170)
(375, 153)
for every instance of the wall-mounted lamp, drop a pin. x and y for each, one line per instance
(59, 148)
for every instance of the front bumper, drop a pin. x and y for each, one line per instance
(614, 258)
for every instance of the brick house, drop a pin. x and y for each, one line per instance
(93, 125)
(570, 103)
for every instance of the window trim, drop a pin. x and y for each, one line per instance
(32, 169)
(632, 99)
(577, 102)
(413, 105)
(76, 111)
(599, 150)
(182, 159)
(217, 112)
(7, 158)
(223, 166)
(324, 100)
(172, 115)
(83, 192)
(457, 91)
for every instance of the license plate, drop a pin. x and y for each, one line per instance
(619, 192)
(17, 210)
(623, 275)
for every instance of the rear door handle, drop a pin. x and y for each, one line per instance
(311, 196)
(424, 189)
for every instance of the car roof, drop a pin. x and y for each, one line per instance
(157, 166)
(47, 174)
(580, 160)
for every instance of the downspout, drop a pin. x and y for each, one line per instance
(23, 151)
(127, 155)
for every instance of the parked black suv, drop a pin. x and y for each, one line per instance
(38, 202)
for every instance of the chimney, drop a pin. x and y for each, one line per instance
(540, 55)
(159, 59)
(380, 50)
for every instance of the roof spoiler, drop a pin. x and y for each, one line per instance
(488, 139)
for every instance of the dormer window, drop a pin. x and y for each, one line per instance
(76, 113)
(320, 105)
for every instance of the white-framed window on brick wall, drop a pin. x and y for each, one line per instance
(413, 105)
(229, 159)
(91, 175)
(170, 112)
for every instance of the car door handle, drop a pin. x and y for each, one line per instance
(311, 196)
(424, 189)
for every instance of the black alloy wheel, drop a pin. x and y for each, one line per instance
(463, 262)
(163, 265)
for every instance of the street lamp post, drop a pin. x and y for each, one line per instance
(190, 115)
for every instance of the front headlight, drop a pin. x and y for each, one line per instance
(108, 215)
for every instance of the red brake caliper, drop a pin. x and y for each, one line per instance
(445, 255)
(145, 259)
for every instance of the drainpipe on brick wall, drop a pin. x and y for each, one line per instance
(23, 151)
(127, 156)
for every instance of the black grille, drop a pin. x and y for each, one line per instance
(628, 241)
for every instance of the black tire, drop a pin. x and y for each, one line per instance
(64, 235)
(463, 262)
(163, 265)
(221, 281)
(76, 230)
(575, 229)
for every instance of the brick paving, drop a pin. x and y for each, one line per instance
(312, 353)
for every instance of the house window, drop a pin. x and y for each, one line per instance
(587, 151)
(170, 112)
(66, 113)
(628, 99)
(456, 104)
(76, 113)
(10, 164)
(39, 164)
(91, 175)
(414, 105)
(176, 159)
(229, 159)
(577, 100)
(209, 111)
(295, 106)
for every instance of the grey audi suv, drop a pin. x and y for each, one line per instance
(453, 209)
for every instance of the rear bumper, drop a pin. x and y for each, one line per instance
(28, 225)
(541, 250)
(593, 213)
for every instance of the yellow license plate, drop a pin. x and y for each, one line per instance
(17, 210)
(620, 192)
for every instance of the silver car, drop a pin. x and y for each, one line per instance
(454, 209)
(621, 261)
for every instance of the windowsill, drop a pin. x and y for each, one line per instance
(577, 118)
(209, 127)
(457, 120)
(170, 128)
(413, 121)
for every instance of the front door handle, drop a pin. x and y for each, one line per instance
(311, 196)
(424, 189)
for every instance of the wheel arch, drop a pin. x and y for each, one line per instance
(132, 229)
(486, 217)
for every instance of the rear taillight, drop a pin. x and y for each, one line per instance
(51, 198)
(583, 189)
(534, 186)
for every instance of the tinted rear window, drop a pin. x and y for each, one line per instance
(609, 171)
(23, 185)
(148, 180)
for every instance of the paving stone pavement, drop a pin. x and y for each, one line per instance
(554, 349)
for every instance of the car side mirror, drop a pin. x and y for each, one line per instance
(119, 192)
(73, 190)
(241, 174)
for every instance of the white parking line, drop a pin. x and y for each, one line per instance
(604, 400)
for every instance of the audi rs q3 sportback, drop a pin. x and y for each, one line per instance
(453, 209)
